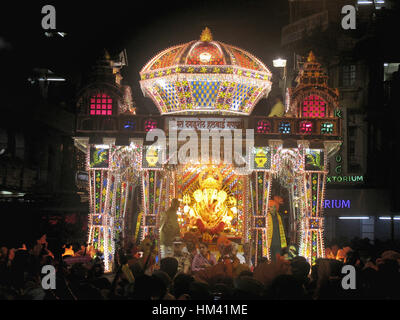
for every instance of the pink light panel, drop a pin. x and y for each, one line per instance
(314, 107)
(150, 125)
(263, 126)
(305, 127)
(101, 104)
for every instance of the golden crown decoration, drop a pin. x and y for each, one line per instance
(213, 180)
(206, 35)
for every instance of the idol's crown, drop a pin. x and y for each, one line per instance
(212, 181)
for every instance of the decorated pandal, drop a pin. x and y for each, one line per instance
(206, 84)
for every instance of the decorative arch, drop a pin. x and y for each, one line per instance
(101, 104)
(327, 95)
(314, 106)
(312, 97)
(120, 99)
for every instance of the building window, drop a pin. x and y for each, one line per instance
(390, 72)
(352, 148)
(101, 104)
(314, 107)
(379, 4)
(389, 69)
(351, 132)
(353, 164)
(349, 75)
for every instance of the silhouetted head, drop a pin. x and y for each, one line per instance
(286, 287)
(181, 284)
(247, 287)
(170, 266)
(199, 291)
(163, 276)
(300, 268)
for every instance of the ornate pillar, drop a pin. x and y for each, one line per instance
(154, 201)
(260, 193)
(313, 191)
(112, 173)
(100, 216)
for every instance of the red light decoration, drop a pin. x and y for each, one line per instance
(306, 127)
(314, 107)
(150, 124)
(206, 54)
(263, 126)
(101, 104)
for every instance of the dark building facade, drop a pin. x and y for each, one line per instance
(362, 64)
(37, 159)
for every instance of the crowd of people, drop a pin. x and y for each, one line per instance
(192, 272)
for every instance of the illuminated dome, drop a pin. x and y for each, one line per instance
(205, 76)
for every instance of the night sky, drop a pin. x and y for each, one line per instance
(144, 28)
